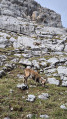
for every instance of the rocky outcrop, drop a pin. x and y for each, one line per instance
(44, 50)
(30, 41)
(18, 16)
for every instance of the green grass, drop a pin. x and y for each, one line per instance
(16, 107)
(21, 107)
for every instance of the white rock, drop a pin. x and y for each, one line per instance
(24, 41)
(44, 64)
(62, 59)
(6, 118)
(65, 48)
(53, 60)
(22, 86)
(42, 59)
(29, 116)
(17, 55)
(36, 53)
(25, 62)
(3, 57)
(44, 116)
(2, 73)
(59, 47)
(52, 70)
(12, 39)
(20, 76)
(31, 98)
(15, 60)
(11, 108)
(43, 96)
(64, 83)
(53, 81)
(4, 35)
(11, 91)
(65, 78)
(26, 55)
(23, 97)
(62, 70)
(36, 64)
(3, 42)
(64, 106)
(58, 53)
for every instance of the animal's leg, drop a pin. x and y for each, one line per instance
(37, 81)
(25, 80)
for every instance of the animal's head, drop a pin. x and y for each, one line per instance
(43, 81)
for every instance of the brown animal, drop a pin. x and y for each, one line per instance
(34, 75)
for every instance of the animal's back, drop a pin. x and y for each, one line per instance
(31, 72)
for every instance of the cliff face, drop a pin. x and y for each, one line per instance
(32, 36)
(14, 12)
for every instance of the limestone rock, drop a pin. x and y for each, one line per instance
(64, 106)
(25, 62)
(12, 13)
(2, 73)
(44, 116)
(2, 59)
(31, 98)
(53, 60)
(64, 83)
(7, 118)
(44, 96)
(20, 76)
(22, 86)
(51, 70)
(4, 42)
(62, 70)
(35, 64)
(29, 116)
(53, 81)
(9, 67)
(23, 41)
(65, 49)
